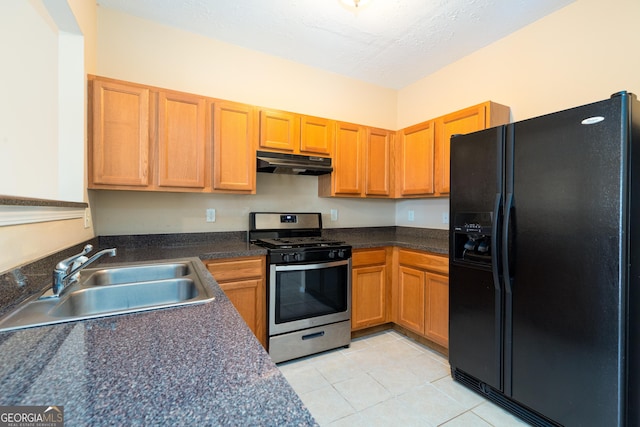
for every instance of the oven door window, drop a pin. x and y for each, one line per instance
(308, 291)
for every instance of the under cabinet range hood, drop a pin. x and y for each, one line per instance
(293, 164)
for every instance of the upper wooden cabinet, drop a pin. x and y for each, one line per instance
(377, 163)
(183, 149)
(295, 133)
(152, 139)
(119, 151)
(423, 150)
(234, 153)
(361, 163)
(478, 117)
(415, 153)
(346, 178)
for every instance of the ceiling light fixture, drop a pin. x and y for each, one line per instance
(355, 3)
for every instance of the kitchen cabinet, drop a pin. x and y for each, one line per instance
(421, 294)
(415, 153)
(293, 133)
(378, 166)
(423, 150)
(361, 162)
(347, 177)
(234, 154)
(183, 149)
(119, 151)
(151, 139)
(145, 138)
(243, 281)
(371, 298)
(472, 119)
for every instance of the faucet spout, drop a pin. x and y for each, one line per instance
(62, 277)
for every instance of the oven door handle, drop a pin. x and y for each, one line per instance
(316, 266)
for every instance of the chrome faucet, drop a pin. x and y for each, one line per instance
(66, 272)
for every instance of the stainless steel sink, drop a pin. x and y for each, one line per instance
(108, 291)
(140, 273)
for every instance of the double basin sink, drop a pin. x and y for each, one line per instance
(112, 290)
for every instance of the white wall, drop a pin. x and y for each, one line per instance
(138, 50)
(127, 212)
(134, 49)
(28, 105)
(579, 54)
(582, 53)
(47, 46)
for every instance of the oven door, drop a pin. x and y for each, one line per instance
(307, 295)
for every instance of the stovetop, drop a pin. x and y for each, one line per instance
(298, 242)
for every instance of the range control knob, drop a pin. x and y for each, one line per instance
(332, 254)
(292, 257)
(341, 253)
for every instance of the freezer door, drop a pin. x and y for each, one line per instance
(475, 294)
(565, 232)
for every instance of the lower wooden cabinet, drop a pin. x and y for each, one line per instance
(421, 294)
(370, 287)
(243, 281)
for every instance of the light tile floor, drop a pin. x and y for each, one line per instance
(387, 379)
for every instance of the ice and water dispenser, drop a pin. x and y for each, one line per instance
(472, 237)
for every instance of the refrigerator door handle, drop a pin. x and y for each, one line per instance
(506, 227)
(495, 264)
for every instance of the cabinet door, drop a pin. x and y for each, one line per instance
(369, 297)
(243, 281)
(245, 296)
(347, 160)
(181, 141)
(415, 160)
(437, 314)
(411, 299)
(234, 155)
(279, 130)
(119, 148)
(464, 121)
(316, 136)
(377, 155)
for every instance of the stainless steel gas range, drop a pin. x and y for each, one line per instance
(308, 284)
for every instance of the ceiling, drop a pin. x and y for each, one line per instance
(390, 43)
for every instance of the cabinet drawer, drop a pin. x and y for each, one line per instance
(368, 257)
(239, 268)
(436, 263)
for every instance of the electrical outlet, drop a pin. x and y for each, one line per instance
(211, 215)
(445, 217)
(411, 216)
(334, 214)
(87, 218)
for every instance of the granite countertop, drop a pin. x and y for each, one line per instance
(195, 365)
(423, 239)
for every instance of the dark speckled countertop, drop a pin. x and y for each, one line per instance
(194, 365)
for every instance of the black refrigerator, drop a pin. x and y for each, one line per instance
(544, 267)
